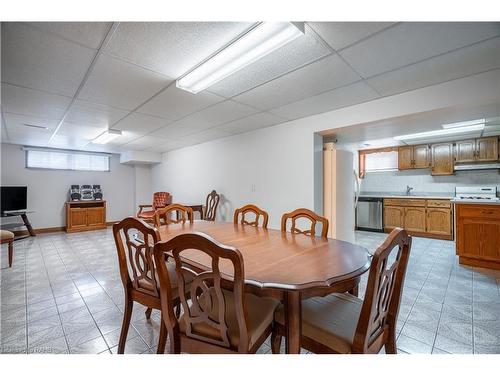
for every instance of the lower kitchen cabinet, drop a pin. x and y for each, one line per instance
(420, 217)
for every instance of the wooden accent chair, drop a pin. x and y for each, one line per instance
(307, 214)
(182, 214)
(250, 208)
(342, 323)
(161, 199)
(8, 238)
(212, 202)
(214, 320)
(134, 241)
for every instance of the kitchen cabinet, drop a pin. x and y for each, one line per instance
(85, 215)
(476, 150)
(413, 157)
(478, 235)
(419, 216)
(442, 159)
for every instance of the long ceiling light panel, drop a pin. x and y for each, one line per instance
(107, 136)
(441, 132)
(258, 42)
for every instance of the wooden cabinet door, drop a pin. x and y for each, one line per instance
(478, 238)
(442, 159)
(465, 151)
(414, 219)
(393, 217)
(405, 157)
(421, 156)
(95, 216)
(487, 149)
(77, 217)
(439, 221)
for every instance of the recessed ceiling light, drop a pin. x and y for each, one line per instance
(36, 126)
(107, 136)
(258, 42)
(437, 133)
(463, 123)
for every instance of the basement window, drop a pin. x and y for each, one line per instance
(377, 161)
(66, 160)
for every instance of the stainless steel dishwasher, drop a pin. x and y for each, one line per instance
(369, 214)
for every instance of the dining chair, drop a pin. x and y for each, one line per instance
(342, 323)
(134, 241)
(161, 199)
(215, 319)
(308, 215)
(250, 208)
(212, 202)
(7, 237)
(182, 214)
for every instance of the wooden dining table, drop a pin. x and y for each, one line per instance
(282, 265)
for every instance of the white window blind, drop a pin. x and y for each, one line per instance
(381, 161)
(75, 161)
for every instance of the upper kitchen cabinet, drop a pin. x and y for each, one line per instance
(474, 150)
(413, 157)
(442, 159)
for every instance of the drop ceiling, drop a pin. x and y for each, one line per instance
(77, 79)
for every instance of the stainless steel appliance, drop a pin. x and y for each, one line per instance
(369, 214)
(476, 193)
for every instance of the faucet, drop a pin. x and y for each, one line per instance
(408, 190)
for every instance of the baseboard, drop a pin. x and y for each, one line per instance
(51, 229)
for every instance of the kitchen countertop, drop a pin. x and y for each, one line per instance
(379, 194)
(484, 202)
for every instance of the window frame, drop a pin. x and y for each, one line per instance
(65, 151)
(362, 159)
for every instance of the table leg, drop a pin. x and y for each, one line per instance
(293, 321)
(28, 225)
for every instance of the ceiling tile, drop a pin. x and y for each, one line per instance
(167, 145)
(408, 43)
(29, 138)
(205, 136)
(253, 122)
(94, 114)
(90, 34)
(119, 84)
(174, 103)
(221, 113)
(144, 143)
(342, 34)
(141, 123)
(127, 136)
(299, 52)
(172, 48)
(39, 60)
(320, 76)
(466, 61)
(342, 97)
(17, 123)
(33, 102)
(82, 132)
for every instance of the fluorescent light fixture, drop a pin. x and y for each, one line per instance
(441, 132)
(250, 47)
(107, 136)
(463, 123)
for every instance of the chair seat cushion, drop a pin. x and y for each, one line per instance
(146, 214)
(6, 235)
(329, 320)
(260, 312)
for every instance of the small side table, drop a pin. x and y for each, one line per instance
(26, 222)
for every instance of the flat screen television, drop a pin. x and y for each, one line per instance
(13, 198)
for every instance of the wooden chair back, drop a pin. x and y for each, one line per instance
(309, 215)
(182, 214)
(207, 303)
(161, 199)
(211, 206)
(383, 293)
(135, 241)
(250, 208)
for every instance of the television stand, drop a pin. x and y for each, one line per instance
(26, 222)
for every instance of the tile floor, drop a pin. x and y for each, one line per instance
(64, 295)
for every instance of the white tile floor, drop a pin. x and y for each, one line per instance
(64, 295)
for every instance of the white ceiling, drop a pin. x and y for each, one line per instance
(78, 79)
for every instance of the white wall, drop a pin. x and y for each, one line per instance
(48, 189)
(279, 160)
(143, 192)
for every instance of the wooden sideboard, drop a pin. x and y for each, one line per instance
(85, 215)
(478, 234)
(420, 217)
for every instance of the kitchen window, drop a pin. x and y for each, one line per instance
(66, 160)
(377, 161)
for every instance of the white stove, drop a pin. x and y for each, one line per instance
(476, 194)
